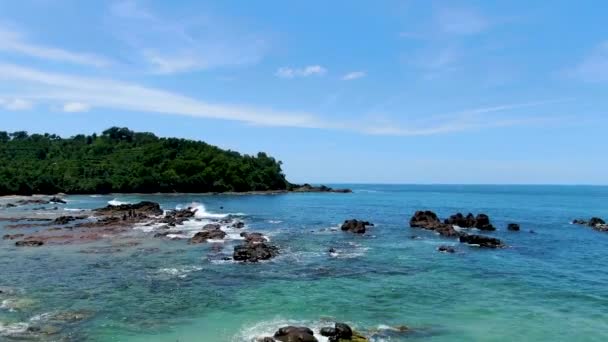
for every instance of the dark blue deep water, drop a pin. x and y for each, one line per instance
(550, 285)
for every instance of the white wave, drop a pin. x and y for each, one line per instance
(275, 221)
(268, 328)
(116, 202)
(74, 209)
(181, 272)
(8, 330)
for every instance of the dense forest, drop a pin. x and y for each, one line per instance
(120, 160)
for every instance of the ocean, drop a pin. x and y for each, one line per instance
(549, 284)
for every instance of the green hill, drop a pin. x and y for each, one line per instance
(120, 160)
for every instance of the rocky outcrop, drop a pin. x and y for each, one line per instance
(322, 188)
(254, 252)
(595, 223)
(61, 220)
(253, 237)
(428, 220)
(514, 227)
(295, 334)
(56, 199)
(355, 226)
(481, 221)
(144, 208)
(208, 234)
(29, 243)
(12, 237)
(238, 225)
(173, 218)
(481, 241)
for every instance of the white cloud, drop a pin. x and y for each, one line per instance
(76, 107)
(311, 70)
(15, 104)
(460, 21)
(170, 46)
(594, 67)
(15, 42)
(354, 75)
(55, 88)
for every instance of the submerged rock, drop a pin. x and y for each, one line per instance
(56, 199)
(67, 219)
(355, 226)
(341, 332)
(482, 241)
(12, 237)
(322, 188)
(238, 225)
(254, 252)
(514, 227)
(446, 249)
(595, 223)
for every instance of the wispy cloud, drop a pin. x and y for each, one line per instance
(460, 21)
(15, 104)
(76, 107)
(77, 93)
(171, 46)
(311, 70)
(354, 75)
(594, 67)
(14, 41)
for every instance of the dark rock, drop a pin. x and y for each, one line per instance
(322, 188)
(482, 241)
(67, 219)
(328, 332)
(164, 234)
(513, 227)
(481, 221)
(254, 237)
(532, 232)
(32, 201)
(29, 243)
(424, 219)
(595, 221)
(211, 226)
(254, 252)
(12, 237)
(446, 249)
(144, 208)
(355, 226)
(295, 334)
(177, 217)
(209, 234)
(56, 199)
(10, 205)
(238, 225)
(343, 331)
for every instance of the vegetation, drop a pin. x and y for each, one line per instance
(120, 160)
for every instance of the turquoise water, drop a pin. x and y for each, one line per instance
(551, 285)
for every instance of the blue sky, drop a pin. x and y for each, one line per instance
(340, 91)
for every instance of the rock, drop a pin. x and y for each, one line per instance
(355, 226)
(424, 219)
(238, 225)
(56, 199)
(254, 237)
(446, 249)
(164, 234)
(514, 227)
(481, 221)
(29, 243)
(322, 188)
(266, 339)
(177, 217)
(67, 219)
(10, 205)
(295, 334)
(144, 208)
(601, 227)
(12, 237)
(254, 252)
(595, 221)
(343, 331)
(211, 226)
(328, 332)
(209, 234)
(32, 201)
(482, 241)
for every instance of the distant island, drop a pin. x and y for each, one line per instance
(123, 161)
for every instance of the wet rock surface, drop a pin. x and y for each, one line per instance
(355, 226)
(595, 223)
(514, 227)
(208, 234)
(481, 221)
(322, 188)
(481, 241)
(254, 252)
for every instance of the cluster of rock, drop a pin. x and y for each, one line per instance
(355, 226)
(309, 188)
(340, 332)
(430, 221)
(595, 223)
